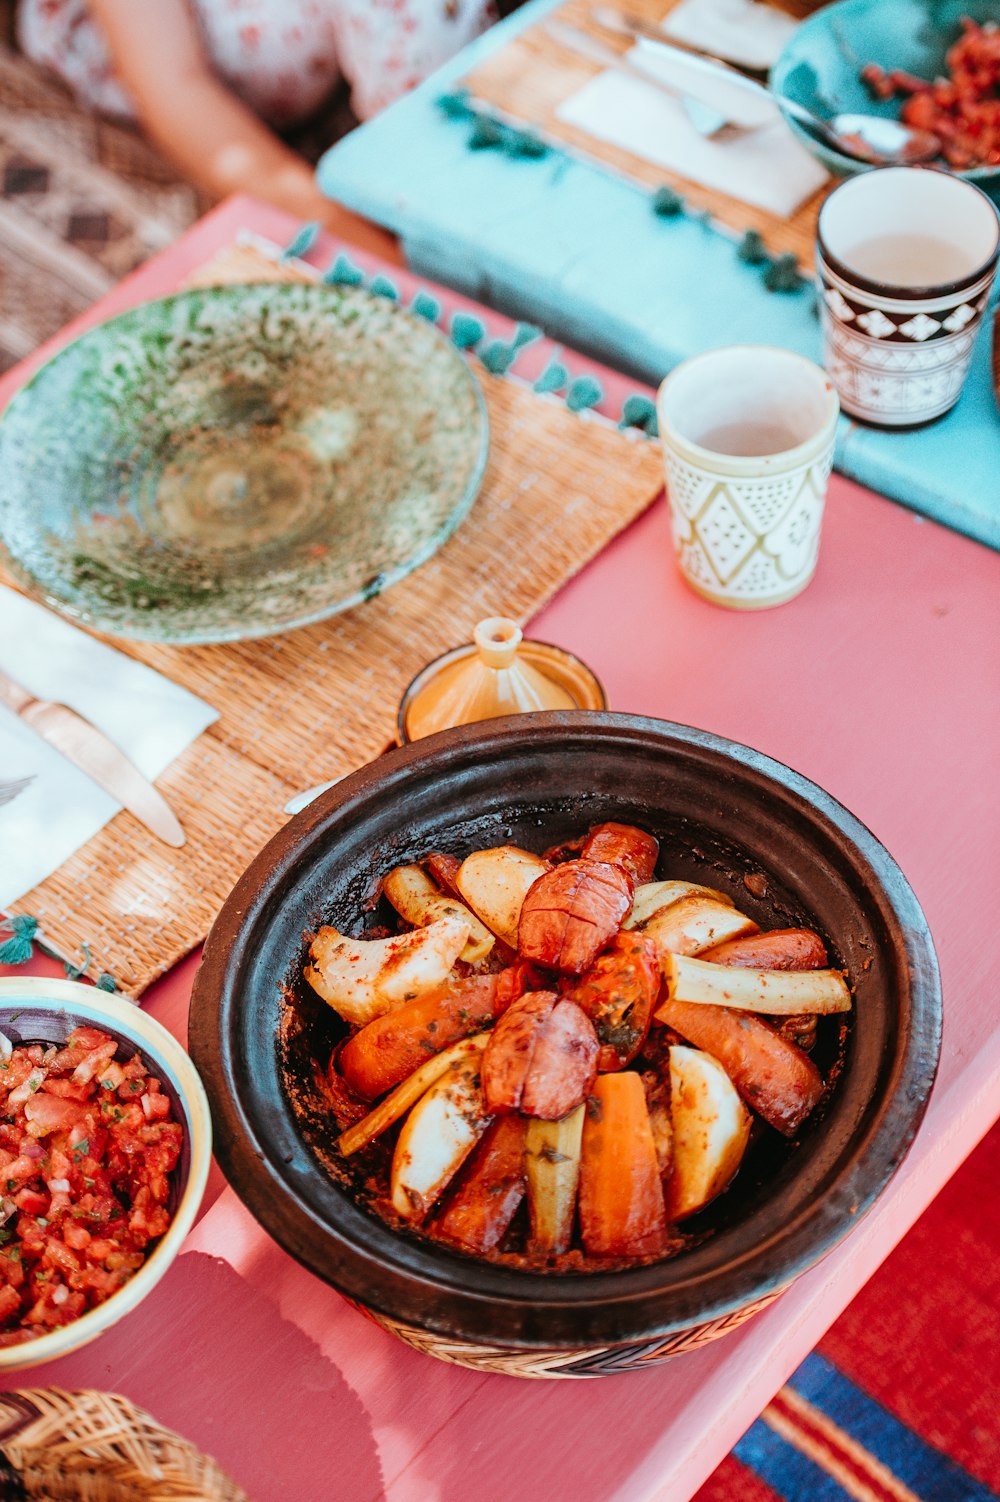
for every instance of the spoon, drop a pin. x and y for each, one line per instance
(866, 138)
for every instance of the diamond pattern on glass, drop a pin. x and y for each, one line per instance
(876, 324)
(688, 487)
(921, 327)
(724, 535)
(959, 318)
(837, 305)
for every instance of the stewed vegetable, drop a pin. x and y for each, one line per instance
(558, 1060)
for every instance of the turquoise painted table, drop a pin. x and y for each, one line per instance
(579, 251)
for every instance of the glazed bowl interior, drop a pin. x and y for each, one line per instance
(820, 67)
(722, 813)
(36, 1010)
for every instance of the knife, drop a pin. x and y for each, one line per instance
(624, 23)
(90, 749)
(706, 120)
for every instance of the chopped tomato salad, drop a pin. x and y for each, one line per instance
(87, 1145)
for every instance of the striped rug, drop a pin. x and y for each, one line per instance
(901, 1401)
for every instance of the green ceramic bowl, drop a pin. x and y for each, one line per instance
(820, 67)
(237, 461)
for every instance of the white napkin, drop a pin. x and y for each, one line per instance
(150, 718)
(742, 31)
(766, 167)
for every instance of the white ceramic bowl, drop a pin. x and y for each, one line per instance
(33, 1009)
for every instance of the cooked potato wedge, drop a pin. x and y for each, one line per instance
(408, 1093)
(776, 993)
(710, 1125)
(436, 1138)
(649, 899)
(695, 922)
(495, 883)
(365, 978)
(420, 901)
(552, 1150)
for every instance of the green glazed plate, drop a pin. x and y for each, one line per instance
(237, 461)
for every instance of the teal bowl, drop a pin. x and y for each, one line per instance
(820, 67)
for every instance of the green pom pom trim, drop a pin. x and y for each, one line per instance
(525, 333)
(73, 972)
(106, 981)
(426, 306)
(667, 203)
(382, 287)
(524, 143)
(486, 134)
(498, 357)
(783, 275)
(640, 412)
(752, 249)
(18, 949)
(456, 105)
(301, 242)
(343, 273)
(584, 392)
(466, 331)
(552, 378)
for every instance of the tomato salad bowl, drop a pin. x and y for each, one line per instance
(107, 1140)
(279, 1034)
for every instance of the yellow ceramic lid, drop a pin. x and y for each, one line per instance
(498, 673)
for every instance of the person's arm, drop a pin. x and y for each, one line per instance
(208, 133)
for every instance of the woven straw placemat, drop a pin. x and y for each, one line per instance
(532, 75)
(300, 708)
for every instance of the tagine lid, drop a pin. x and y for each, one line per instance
(497, 673)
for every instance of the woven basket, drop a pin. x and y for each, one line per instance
(98, 1447)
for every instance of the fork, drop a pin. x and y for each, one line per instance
(11, 786)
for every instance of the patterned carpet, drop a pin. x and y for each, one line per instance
(901, 1401)
(81, 203)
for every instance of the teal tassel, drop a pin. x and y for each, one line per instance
(552, 378)
(526, 333)
(106, 981)
(456, 105)
(382, 287)
(498, 357)
(74, 972)
(783, 275)
(426, 306)
(344, 273)
(584, 392)
(524, 143)
(667, 203)
(466, 331)
(752, 249)
(640, 412)
(486, 134)
(301, 242)
(17, 950)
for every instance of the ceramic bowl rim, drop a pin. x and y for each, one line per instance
(153, 1041)
(418, 1289)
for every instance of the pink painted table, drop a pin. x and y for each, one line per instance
(882, 683)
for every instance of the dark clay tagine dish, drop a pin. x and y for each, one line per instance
(725, 816)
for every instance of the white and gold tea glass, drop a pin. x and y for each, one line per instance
(905, 259)
(748, 434)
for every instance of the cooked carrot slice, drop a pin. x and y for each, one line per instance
(490, 1188)
(622, 1211)
(775, 1078)
(618, 994)
(388, 1049)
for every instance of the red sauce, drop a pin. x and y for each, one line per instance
(87, 1146)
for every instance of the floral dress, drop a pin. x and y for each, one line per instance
(282, 57)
